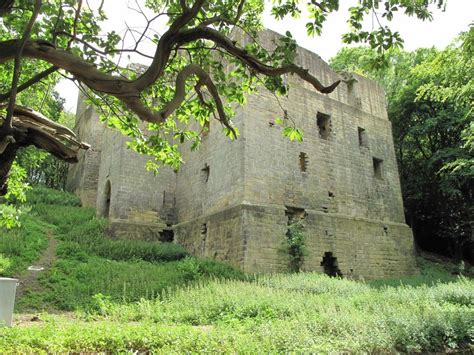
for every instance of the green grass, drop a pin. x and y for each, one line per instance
(128, 297)
(90, 263)
(431, 273)
(22, 246)
(300, 313)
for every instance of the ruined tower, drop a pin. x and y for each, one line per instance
(234, 200)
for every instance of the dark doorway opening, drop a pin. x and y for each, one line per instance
(166, 235)
(107, 193)
(329, 265)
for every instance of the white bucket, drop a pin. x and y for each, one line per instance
(7, 300)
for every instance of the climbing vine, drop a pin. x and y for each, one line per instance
(295, 245)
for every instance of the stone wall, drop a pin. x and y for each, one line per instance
(211, 178)
(230, 199)
(217, 235)
(83, 176)
(363, 248)
(138, 203)
(349, 184)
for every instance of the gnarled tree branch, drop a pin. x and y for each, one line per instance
(7, 126)
(32, 128)
(180, 94)
(241, 54)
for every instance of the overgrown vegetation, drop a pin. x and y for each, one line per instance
(89, 263)
(21, 246)
(274, 314)
(295, 245)
(124, 303)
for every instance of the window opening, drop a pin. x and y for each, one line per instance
(295, 237)
(203, 238)
(324, 125)
(107, 194)
(303, 161)
(378, 168)
(205, 172)
(363, 139)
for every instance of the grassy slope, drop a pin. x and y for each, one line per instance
(206, 306)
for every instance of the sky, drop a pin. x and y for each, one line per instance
(439, 32)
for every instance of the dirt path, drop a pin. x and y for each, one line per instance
(29, 279)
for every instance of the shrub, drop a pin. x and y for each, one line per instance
(4, 264)
(295, 240)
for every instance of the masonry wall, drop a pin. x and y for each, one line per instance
(217, 235)
(138, 203)
(83, 177)
(354, 213)
(211, 178)
(363, 248)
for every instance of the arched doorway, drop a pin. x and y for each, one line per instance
(105, 205)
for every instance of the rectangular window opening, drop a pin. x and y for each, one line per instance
(324, 125)
(205, 172)
(378, 168)
(363, 139)
(303, 161)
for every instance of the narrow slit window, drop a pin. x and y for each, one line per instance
(378, 168)
(204, 232)
(205, 172)
(363, 139)
(324, 125)
(303, 161)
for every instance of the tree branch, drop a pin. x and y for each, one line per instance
(241, 54)
(74, 26)
(32, 128)
(180, 94)
(7, 126)
(165, 45)
(38, 77)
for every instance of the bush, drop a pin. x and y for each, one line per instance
(4, 264)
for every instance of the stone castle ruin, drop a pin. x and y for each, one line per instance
(235, 200)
